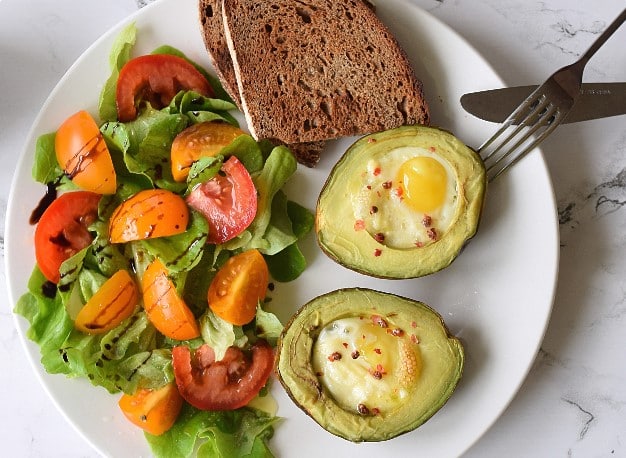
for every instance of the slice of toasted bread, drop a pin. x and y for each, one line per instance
(310, 70)
(212, 30)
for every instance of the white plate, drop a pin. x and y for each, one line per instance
(497, 296)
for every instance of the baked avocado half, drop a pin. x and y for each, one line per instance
(401, 203)
(366, 365)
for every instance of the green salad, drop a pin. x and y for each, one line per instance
(134, 355)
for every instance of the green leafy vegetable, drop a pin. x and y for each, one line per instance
(134, 354)
(120, 54)
(231, 434)
(46, 169)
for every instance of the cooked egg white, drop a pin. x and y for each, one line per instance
(365, 367)
(408, 197)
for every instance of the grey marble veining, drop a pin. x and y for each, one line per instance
(573, 401)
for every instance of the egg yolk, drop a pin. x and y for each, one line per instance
(423, 180)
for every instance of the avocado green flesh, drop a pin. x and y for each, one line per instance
(416, 325)
(360, 250)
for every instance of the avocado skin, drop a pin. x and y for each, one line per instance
(358, 250)
(442, 354)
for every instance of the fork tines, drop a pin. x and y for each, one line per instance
(525, 128)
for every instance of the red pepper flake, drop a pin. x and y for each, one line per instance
(359, 225)
(376, 171)
(335, 356)
(378, 252)
(387, 185)
(379, 321)
(399, 191)
(413, 324)
(319, 374)
(378, 372)
(432, 233)
(397, 332)
(375, 411)
(363, 410)
(355, 354)
(371, 140)
(378, 351)
(369, 187)
(414, 339)
(427, 221)
(419, 244)
(345, 344)
(432, 149)
(373, 210)
(379, 237)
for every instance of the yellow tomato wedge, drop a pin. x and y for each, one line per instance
(203, 139)
(167, 311)
(238, 287)
(109, 306)
(154, 411)
(83, 154)
(148, 214)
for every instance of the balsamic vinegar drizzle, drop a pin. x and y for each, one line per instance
(44, 203)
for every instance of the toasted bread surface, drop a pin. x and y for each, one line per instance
(311, 70)
(212, 29)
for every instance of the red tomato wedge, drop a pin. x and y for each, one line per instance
(110, 305)
(227, 384)
(228, 201)
(238, 286)
(154, 411)
(62, 230)
(148, 214)
(83, 154)
(200, 140)
(155, 78)
(166, 310)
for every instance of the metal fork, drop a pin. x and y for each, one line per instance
(540, 113)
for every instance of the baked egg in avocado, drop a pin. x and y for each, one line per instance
(368, 365)
(401, 203)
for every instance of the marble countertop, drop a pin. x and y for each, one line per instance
(573, 402)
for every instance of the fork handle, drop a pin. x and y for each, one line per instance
(604, 37)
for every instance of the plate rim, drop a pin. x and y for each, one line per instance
(32, 134)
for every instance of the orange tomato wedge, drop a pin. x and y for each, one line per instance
(238, 286)
(154, 411)
(148, 214)
(109, 306)
(164, 307)
(83, 154)
(203, 139)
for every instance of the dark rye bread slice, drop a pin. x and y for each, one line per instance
(310, 70)
(212, 29)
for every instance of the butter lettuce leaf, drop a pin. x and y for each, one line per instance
(122, 359)
(46, 169)
(241, 433)
(181, 252)
(120, 54)
(278, 168)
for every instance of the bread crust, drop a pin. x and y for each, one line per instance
(212, 29)
(312, 70)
